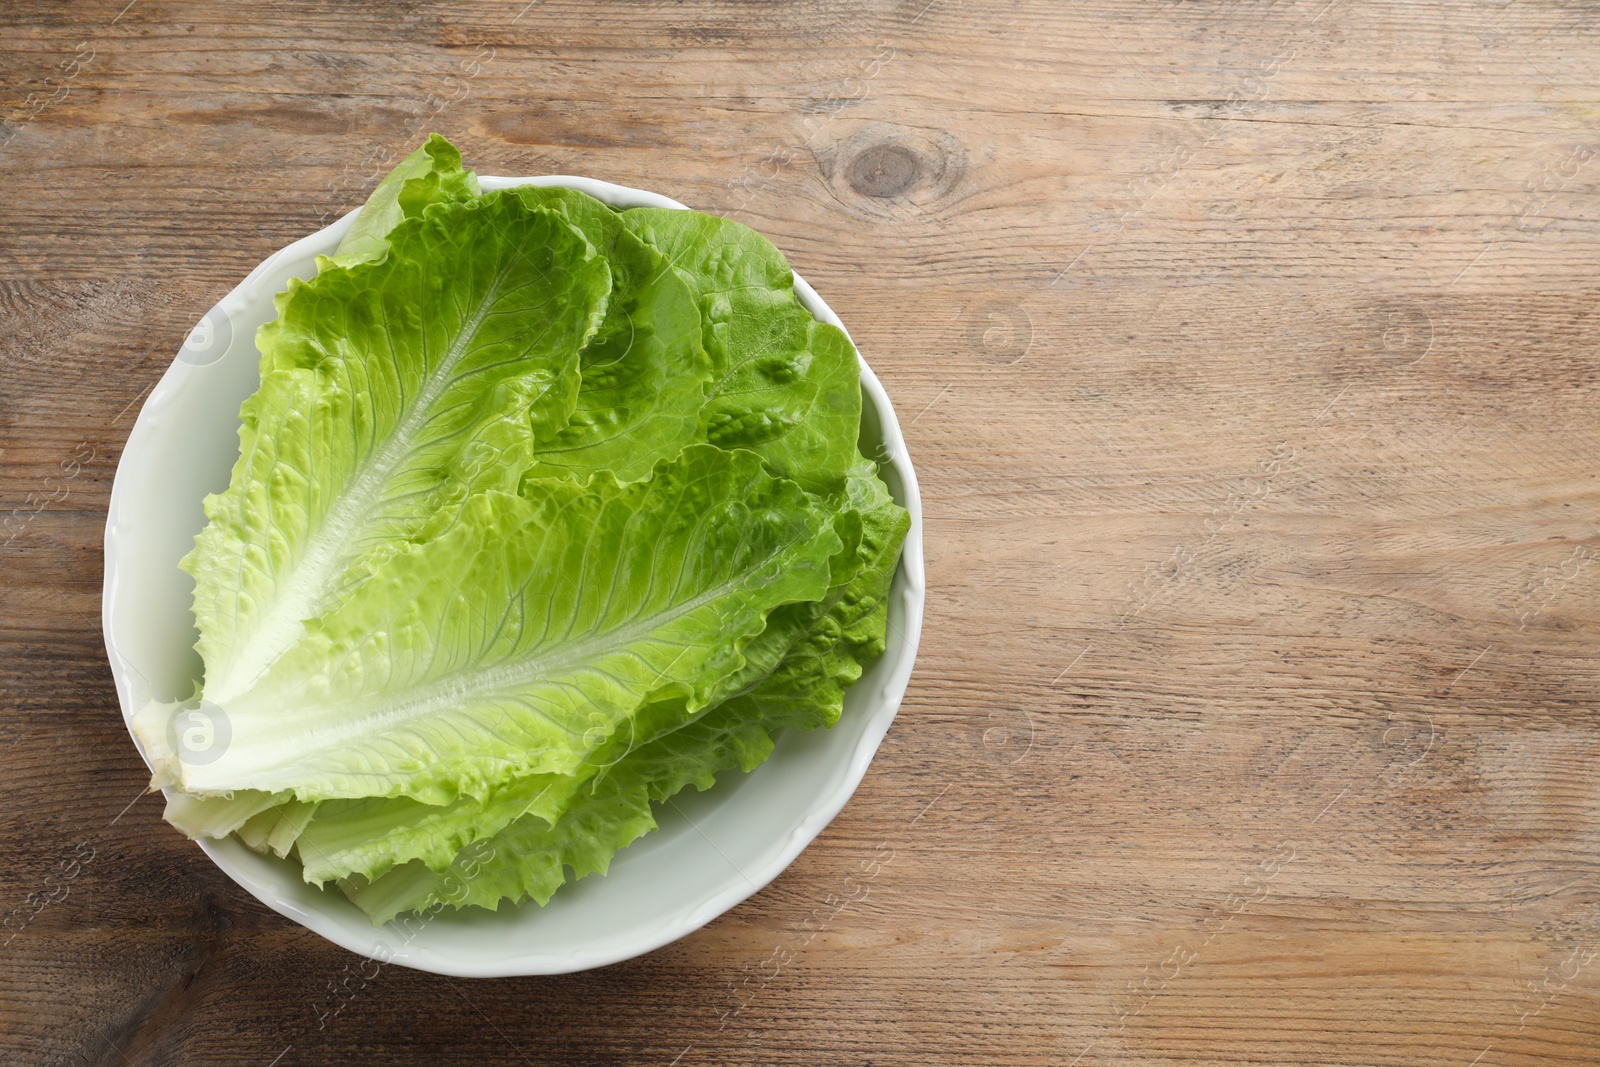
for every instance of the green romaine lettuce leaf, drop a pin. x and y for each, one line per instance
(432, 174)
(368, 837)
(517, 641)
(390, 392)
(780, 382)
(784, 385)
(645, 373)
(819, 652)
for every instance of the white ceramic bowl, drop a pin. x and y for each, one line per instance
(709, 853)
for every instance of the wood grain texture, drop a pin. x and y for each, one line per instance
(1247, 353)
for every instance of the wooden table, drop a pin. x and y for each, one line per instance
(1248, 357)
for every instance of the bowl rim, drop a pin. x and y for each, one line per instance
(682, 923)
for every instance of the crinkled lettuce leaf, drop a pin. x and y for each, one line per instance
(819, 651)
(390, 393)
(432, 174)
(367, 837)
(645, 374)
(777, 382)
(784, 385)
(519, 639)
(794, 674)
